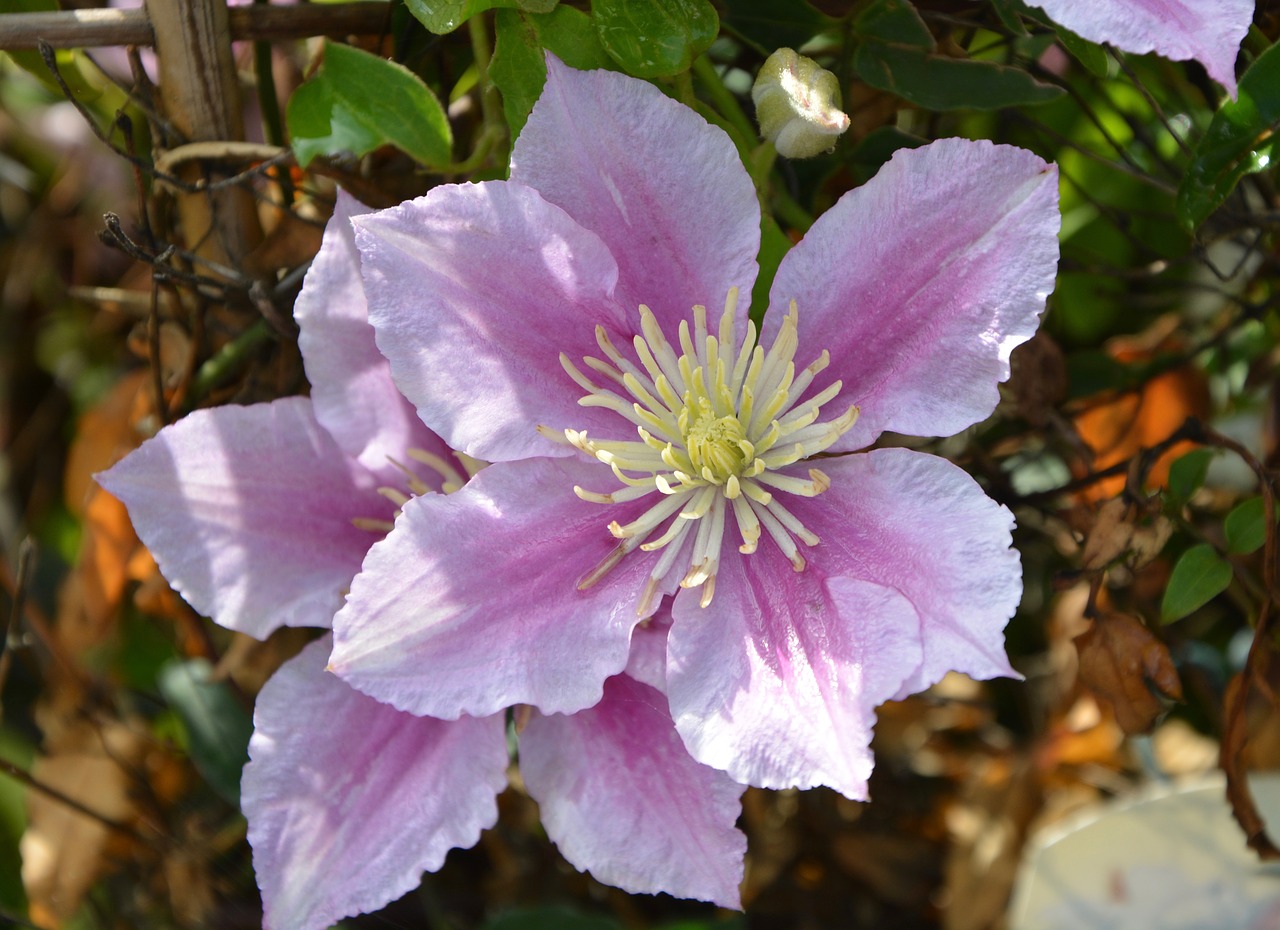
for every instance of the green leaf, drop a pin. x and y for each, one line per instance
(359, 102)
(1092, 56)
(939, 83)
(442, 16)
(15, 749)
(519, 69)
(1246, 526)
(895, 22)
(218, 727)
(774, 245)
(1200, 576)
(1008, 11)
(1187, 473)
(770, 25)
(1239, 141)
(655, 38)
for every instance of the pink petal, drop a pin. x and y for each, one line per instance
(349, 800)
(1210, 31)
(471, 603)
(664, 189)
(922, 282)
(248, 512)
(921, 525)
(351, 388)
(621, 797)
(777, 681)
(474, 291)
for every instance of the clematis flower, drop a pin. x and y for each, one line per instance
(652, 454)
(260, 516)
(1209, 31)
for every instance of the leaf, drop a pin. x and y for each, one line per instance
(1246, 527)
(218, 727)
(895, 22)
(939, 83)
(442, 16)
(359, 102)
(16, 750)
(1008, 11)
(655, 38)
(770, 25)
(1239, 141)
(519, 69)
(1124, 663)
(1200, 576)
(1187, 474)
(1092, 56)
(774, 245)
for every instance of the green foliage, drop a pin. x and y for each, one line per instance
(359, 102)
(550, 918)
(216, 725)
(897, 53)
(769, 24)
(1239, 141)
(519, 69)
(1246, 526)
(444, 16)
(1199, 576)
(655, 38)
(15, 750)
(1187, 474)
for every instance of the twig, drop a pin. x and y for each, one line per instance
(96, 28)
(13, 636)
(18, 774)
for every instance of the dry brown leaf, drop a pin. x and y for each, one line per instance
(63, 850)
(1038, 378)
(1110, 535)
(1124, 663)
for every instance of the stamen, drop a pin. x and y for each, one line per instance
(716, 420)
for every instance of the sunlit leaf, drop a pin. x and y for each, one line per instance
(1239, 141)
(655, 38)
(442, 16)
(359, 102)
(1200, 575)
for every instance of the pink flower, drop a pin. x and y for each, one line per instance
(1209, 31)
(646, 452)
(260, 516)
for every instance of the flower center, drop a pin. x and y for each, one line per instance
(451, 479)
(716, 426)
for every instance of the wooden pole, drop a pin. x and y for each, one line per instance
(200, 97)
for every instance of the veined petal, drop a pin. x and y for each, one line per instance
(621, 797)
(921, 525)
(663, 188)
(349, 801)
(923, 281)
(474, 292)
(777, 681)
(248, 513)
(352, 392)
(648, 660)
(471, 603)
(1210, 31)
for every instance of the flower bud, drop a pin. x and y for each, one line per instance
(798, 105)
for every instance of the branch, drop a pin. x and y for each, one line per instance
(93, 28)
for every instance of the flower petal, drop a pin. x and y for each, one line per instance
(471, 603)
(1210, 31)
(777, 681)
(922, 282)
(921, 525)
(621, 796)
(351, 388)
(663, 188)
(349, 800)
(474, 291)
(248, 512)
